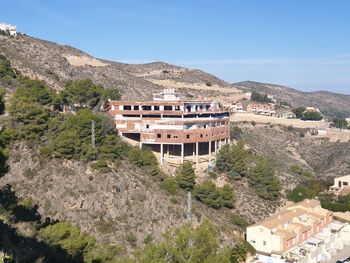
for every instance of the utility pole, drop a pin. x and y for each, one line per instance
(93, 138)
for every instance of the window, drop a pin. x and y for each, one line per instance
(187, 136)
(177, 108)
(201, 135)
(136, 107)
(156, 107)
(264, 243)
(168, 136)
(127, 107)
(146, 107)
(147, 126)
(175, 136)
(345, 183)
(159, 135)
(252, 241)
(168, 107)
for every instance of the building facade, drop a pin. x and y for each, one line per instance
(8, 29)
(341, 185)
(292, 226)
(172, 127)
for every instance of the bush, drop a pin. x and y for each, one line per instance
(238, 220)
(258, 97)
(100, 165)
(171, 185)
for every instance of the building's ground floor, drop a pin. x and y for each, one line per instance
(175, 153)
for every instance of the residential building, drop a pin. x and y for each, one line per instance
(173, 128)
(8, 29)
(341, 185)
(266, 109)
(294, 225)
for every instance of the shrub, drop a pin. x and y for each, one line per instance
(171, 185)
(100, 165)
(238, 220)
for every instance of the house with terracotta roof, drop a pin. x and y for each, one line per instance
(292, 226)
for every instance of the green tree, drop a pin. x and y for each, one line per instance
(208, 194)
(227, 196)
(259, 97)
(340, 123)
(185, 176)
(312, 116)
(5, 68)
(299, 112)
(233, 159)
(175, 248)
(86, 94)
(262, 178)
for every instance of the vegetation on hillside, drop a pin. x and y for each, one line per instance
(304, 115)
(317, 188)
(259, 97)
(237, 162)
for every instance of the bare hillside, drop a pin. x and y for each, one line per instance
(329, 103)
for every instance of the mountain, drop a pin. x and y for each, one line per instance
(329, 103)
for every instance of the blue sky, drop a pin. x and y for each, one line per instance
(304, 44)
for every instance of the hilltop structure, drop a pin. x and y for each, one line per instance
(175, 128)
(341, 185)
(8, 29)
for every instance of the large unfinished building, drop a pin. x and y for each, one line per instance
(175, 129)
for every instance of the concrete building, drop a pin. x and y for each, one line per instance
(8, 29)
(294, 225)
(174, 128)
(341, 185)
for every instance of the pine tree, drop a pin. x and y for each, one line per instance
(185, 176)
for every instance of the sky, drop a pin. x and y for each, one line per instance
(304, 44)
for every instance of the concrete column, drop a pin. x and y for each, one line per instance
(161, 153)
(216, 146)
(167, 150)
(140, 145)
(209, 151)
(197, 154)
(182, 152)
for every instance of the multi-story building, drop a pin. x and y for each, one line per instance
(292, 226)
(174, 128)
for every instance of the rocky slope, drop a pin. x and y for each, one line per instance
(123, 206)
(328, 102)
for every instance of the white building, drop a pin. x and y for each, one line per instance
(8, 29)
(341, 185)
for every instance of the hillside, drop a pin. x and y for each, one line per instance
(328, 102)
(55, 64)
(118, 194)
